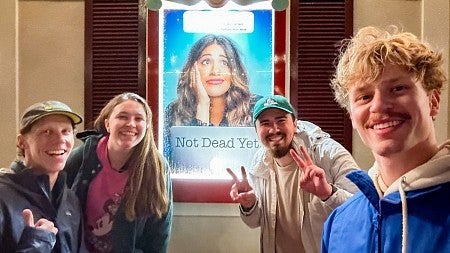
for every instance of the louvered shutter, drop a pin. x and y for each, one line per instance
(321, 25)
(114, 52)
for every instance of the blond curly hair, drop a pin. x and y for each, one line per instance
(363, 58)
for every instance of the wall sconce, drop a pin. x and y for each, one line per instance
(276, 4)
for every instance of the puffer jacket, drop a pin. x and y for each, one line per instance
(143, 235)
(20, 188)
(413, 215)
(327, 154)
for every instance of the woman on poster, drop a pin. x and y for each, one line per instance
(212, 90)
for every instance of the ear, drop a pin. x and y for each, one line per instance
(295, 125)
(435, 99)
(349, 114)
(21, 142)
(107, 125)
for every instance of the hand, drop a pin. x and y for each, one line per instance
(241, 191)
(40, 224)
(201, 94)
(313, 179)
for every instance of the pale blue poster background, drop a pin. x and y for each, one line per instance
(256, 50)
(235, 146)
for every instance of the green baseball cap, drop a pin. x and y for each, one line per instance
(273, 101)
(42, 109)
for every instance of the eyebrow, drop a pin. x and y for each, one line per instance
(393, 79)
(210, 55)
(361, 88)
(276, 118)
(130, 113)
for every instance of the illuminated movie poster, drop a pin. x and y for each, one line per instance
(215, 64)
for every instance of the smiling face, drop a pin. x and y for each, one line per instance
(215, 71)
(393, 114)
(48, 144)
(126, 125)
(276, 129)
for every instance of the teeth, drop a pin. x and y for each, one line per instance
(387, 124)
(276, 138)
(128, 133)
(56, 152)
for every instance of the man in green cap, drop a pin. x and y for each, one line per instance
(38, 213)
(297, 178)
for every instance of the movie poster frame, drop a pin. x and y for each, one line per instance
(194, 189)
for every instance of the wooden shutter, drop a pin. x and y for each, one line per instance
(114, 52)
(317, 27)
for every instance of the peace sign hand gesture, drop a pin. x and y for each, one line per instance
(241, 191)
(313, 179)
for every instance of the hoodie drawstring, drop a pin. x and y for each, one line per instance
(404, 214)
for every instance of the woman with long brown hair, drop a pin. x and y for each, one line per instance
(212, 90)
(122, 181)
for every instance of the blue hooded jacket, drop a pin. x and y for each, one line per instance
(418, 221)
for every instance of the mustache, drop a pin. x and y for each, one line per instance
(378, 118)
(278, 133)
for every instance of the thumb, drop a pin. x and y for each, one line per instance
(28, 217)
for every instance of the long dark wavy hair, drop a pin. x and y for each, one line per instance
(237, 97)
(145, 192)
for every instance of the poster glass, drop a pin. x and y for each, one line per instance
(214, 65)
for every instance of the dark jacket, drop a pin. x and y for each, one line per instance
(20, 188)
(144, 234)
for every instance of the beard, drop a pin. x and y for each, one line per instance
(278, 151)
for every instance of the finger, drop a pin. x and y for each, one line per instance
(47, 225)
(233, 193)
(244, 174)
(192, 76)
(306, 157)
(298, 160)
(320, 174)
(44, 223)
(311, 174)
(248, 198)
(235, 178)
(28, 217)
(197, 72)
(235, 196)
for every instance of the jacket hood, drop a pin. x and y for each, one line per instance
(84, 135)
(17, 166)
(24, 179)
(17, 176)
(435, 171)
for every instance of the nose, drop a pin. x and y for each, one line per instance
(381, 102)
(217, 67)
(273, 128)
(61, 136)
(131, 122)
